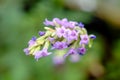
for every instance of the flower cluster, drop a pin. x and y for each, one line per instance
(64, 35)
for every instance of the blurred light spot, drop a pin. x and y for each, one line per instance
(85, 5)
(88, 5)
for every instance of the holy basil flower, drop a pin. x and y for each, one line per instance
(64, 34)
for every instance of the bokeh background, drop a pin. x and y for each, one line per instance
(21, 19)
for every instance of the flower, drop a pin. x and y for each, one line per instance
(51, 39)
(72, 35)
(64, 22)
(42, 53)
(72, 24)
(81, 51)
(34, 38)
(92, 36)
(26, 50)
(71, 51)
(57, 20)
(48, 23)
(32, 41)
(84, 39)
(41, 33)
(59, 45)
(61, 32)
(74, 56)
(64, 35)
(81, 25)
(67, 24)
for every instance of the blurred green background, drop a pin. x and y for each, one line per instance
(21, 19)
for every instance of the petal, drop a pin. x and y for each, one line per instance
(37, 55)
(92, 36)
(26, 51)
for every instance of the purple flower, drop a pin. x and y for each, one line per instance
(74, 57)
(72, 51)
(51, 39)
(81, 51)
(60, 22)
(57, 20)
(34, 38)
(92, 36)
(64, 22)
(84, 39)
(48, 23)
(64, 35)
(41, 33)
(72, 35)
(72, 24)
(57, 60)
(32, 41)
(42, 53)
(81, 25)
(60, 45)
(61, 32)
(26, 51)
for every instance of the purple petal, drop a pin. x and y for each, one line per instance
(84, 39)
(81, 25)
(61, 32)
(41, 33)
(38, 55)
(72, 35)
(26, 51)
(44, 52)
(57, 20)
(34, 38)
(72, 51)
(31, 43)
(64, 20)
(48, 23)
(60, 45)
(81, 51)
(41, 53)
(52, 40)
(72, 24)
(92, 36)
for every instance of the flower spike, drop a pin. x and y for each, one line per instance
(64, 35)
